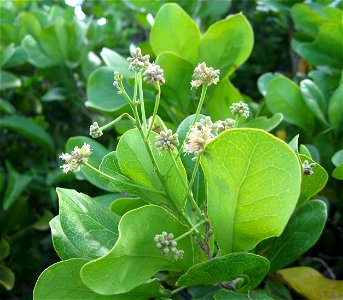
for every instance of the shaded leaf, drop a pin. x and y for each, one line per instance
(136, 228)
(7, 278)
(267, 124)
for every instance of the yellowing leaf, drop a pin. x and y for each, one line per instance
(311, 284)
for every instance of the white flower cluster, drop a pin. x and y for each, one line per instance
(77, 157)
(204, 75)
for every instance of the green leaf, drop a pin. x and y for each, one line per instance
(35, 54)
(135, 257)
(109, 165)
(284, 96)
(337, 159)
(311, 284)
(62, 281)
(8, 80)
(4, 249)
(135, 162)
(277, 290)
(16, 184)
(224, 294)
(101, 94)
(18, 58)
(250, 267)
(267, 124)
(294, 143)
(304, 151)
(6, 107)
(305, 19)
(62, 244)
(28, 129)
(123, 205)
(263, 81)
(6, 53)
(335, 110)
(116, 62)
(314, 99)
(222, 97)
(253, 185)
(98, 151)
(7, 278)
(301, 233)
(54, 94)
(177, 73)
(338, 172)
(175, 31)
(90, 227)
(227, 44)
(312, 185)
(29, 25)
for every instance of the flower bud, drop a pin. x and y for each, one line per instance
(138, 62)
(154, 74)
(241, 109)
(204, 75)
(77, 157)
(95, 131)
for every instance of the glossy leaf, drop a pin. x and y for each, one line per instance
(183, 39)
(62, 244)
(7, 278)
(312, 185)
(253, 184)
(337, 159)
(301, 233)
(136, 228)
(134, 162)
(250, 267)
(311, 284)
(98, 151)
(267, 124)
(62, 281)
(263, 81)
(338, 172)
(219, 101)
(177, 73)
(101, 95)
(227, 44)
(92, 229)
(116, 62)
(9, 81)
(335, 110)
(16, 184)
(123, 205)
(284, 96)
(28, 129)
(314, 99)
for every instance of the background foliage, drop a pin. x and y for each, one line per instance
(56, 78)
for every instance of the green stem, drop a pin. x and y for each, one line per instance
(177, 290)
(201, 102)
(157, 102)
(102, 174)
(195, 170)
(236, 122)
(190, 230)
(141, 100)
(184, 183)
(121, 117)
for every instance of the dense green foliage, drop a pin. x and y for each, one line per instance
(283, 59)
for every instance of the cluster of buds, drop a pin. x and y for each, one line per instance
(77, 157)
(95, 131)
(166, 140)
(241, 109)
(204, 75)
(221, 126)
(198, 137)
(166, 244)
(117, 81)
(307, 168)
(154, 74)
(138, 62)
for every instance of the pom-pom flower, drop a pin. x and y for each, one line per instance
(95, 131)
(241, 109)
(138, 62)
(165, 242)
(77, 157)
(166, 140)
(154, 74)
(204, 75)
